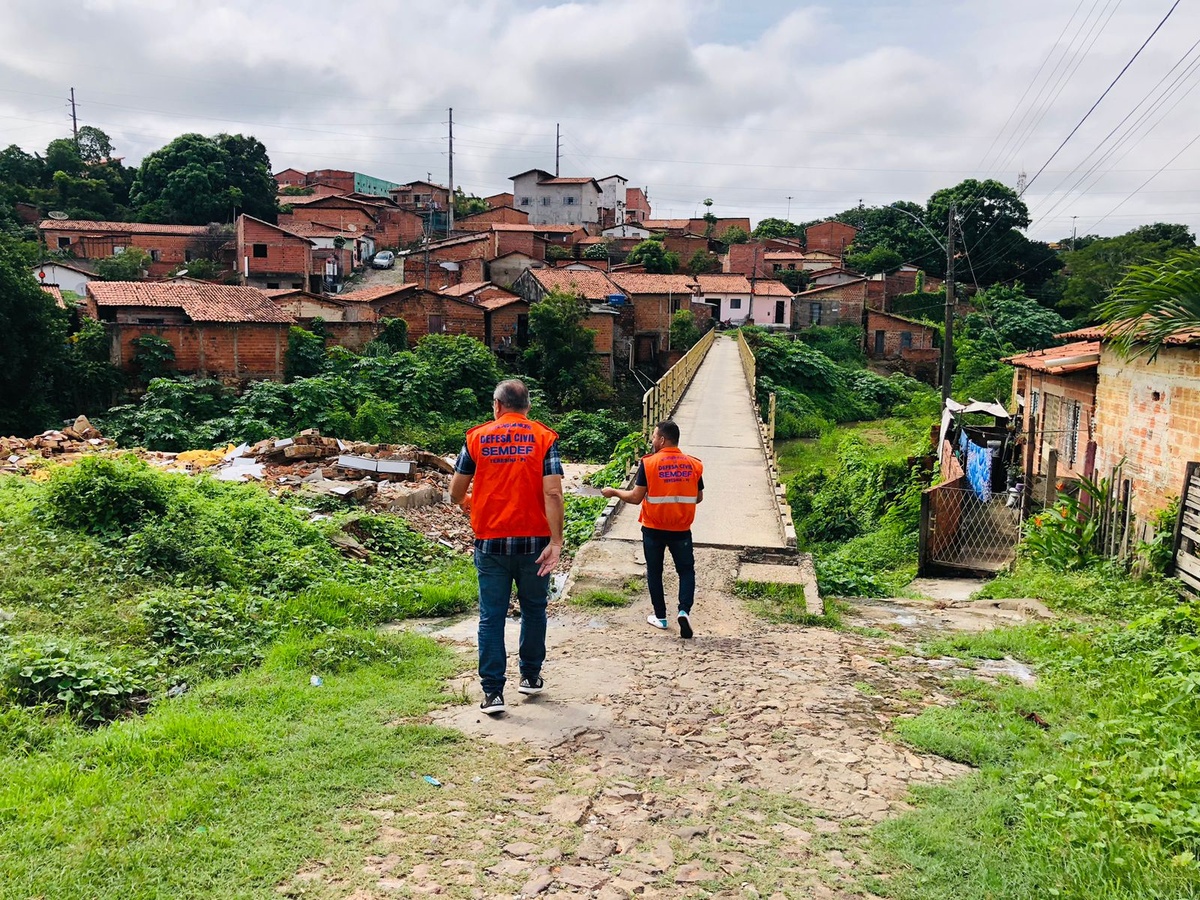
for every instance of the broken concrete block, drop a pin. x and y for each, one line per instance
(404, 496)
(394, 466)
(358, 463)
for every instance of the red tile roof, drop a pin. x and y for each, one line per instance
(1077, 357)
(557, 180)
(467, 287)
(494, 303)
(766, 288)
(1109, 332)
(200, 302)
(655, 284)
(53, 291)
(366, 295)
(119, 227)
(829, 287)
(724, 283)
(590, 284)
(664, 224)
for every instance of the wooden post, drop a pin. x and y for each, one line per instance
(1030, 449)
(1051, 478)
(923, 537)
(1184, 496)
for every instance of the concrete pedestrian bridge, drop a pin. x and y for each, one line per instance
(719, 424)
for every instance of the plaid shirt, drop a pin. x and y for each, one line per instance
(512, 546)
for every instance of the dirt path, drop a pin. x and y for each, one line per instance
(748, 762)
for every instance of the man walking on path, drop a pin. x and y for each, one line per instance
(517, 514)
(671, 483)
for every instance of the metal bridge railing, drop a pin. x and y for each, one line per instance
(750, 367)
(660, 401)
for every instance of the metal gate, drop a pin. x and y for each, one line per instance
(961, 532)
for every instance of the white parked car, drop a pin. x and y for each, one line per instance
(384, 259)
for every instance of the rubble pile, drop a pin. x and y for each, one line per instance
(73, 441)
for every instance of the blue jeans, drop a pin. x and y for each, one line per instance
(655, 544)
(497, 574)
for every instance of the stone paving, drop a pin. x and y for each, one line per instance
(747, 762)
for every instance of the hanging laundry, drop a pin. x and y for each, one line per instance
(979, 470)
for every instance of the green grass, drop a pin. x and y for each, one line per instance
(887, 437)
(224, 791)
(228, 789)
(784, 603)
(602, 598)
(1088, 784)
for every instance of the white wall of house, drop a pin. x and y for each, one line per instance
(733, 307)
(627, 230)
(556, 204)
(67, 279)
(612, 196)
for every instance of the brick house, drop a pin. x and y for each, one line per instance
(502, 199)
(347, 324)
(389, 225)
(654, 299)
(349, 182)
(637, 206)
(1147, 413)
(749, 259)
(235, 334)
(591, 287)
(551, 200)
(273, 258)
(831, 237)
(429, 200)
(1059, 386)
(719, 227)
(612, 199)
(834, 304)
(503, 215)
(63, 275)
(168, 246)
(425, 312)
(452, 261)
(507, 268)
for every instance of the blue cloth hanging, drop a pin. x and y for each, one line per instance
(979, 470)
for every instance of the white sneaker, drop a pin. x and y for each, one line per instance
(685, 625)
(657, 622)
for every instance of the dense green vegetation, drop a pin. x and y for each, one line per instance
(1088, 784)
(193, 615)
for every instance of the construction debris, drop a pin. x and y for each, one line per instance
(18, 455)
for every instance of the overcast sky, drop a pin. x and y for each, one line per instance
(770, 108)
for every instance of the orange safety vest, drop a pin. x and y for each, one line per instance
(672, 486)
(506, 497)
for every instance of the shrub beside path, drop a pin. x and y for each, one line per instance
(747, 762)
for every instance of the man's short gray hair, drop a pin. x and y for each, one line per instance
(512, 395)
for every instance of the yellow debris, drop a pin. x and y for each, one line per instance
(202, 459)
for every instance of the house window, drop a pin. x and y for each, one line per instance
(436, 325)
(187, 256)
(791, 267)
(117, 251)
(272, 285)
(525, 201)
(545, 201)
(141, 321)
(568, 201)
(735, 303)
(298, 285)
(64, 243)
(1073, 432)
(260, 251)
(775, 267)
(906, 340)
(155, 255)
(814, 314)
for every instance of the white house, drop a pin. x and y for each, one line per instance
(550, 200)
(627, 230)
(612, 197)
(730, 293)
(67, 277)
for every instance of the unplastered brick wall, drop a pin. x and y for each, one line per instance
(230, 352)
(284, 253)
(1149, 414)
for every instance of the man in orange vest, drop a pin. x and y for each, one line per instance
(671, 483)
(517, 514)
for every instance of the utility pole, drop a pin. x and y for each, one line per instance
(948, 343)
(789, 212)
(74, 119)
(557, 147)
(1073, 218)
(450, 226)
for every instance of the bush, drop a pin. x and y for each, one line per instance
(106, 497)
(588, 437)
(58, 676)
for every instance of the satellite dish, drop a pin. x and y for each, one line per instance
(58, 214)
(181, 273)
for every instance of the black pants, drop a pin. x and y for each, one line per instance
(655, 544)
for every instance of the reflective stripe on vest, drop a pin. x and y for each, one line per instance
(672, 490)
(507, 499)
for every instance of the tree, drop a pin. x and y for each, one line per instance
(94, 145)
(468, 204)
(734, 235)
(876, 260)
(776, 228)
(62, 155)
(1095, 269)
(306, 351)
(684, 330)
(33, 332)
(1153, 303)
(196, 179)
(703, 262)
(710, 219)
(598, 251)
(795, 279)
(655, 257)
(897, 228)
(557, 252)
(561, 352)
(20, 168)
(153, 357)
(83, 198)
(128, 266)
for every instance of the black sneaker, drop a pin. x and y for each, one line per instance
(531, 685)
(685, 625)
(493, 704)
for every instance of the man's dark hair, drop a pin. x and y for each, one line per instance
(512, 395)
(669, 430)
